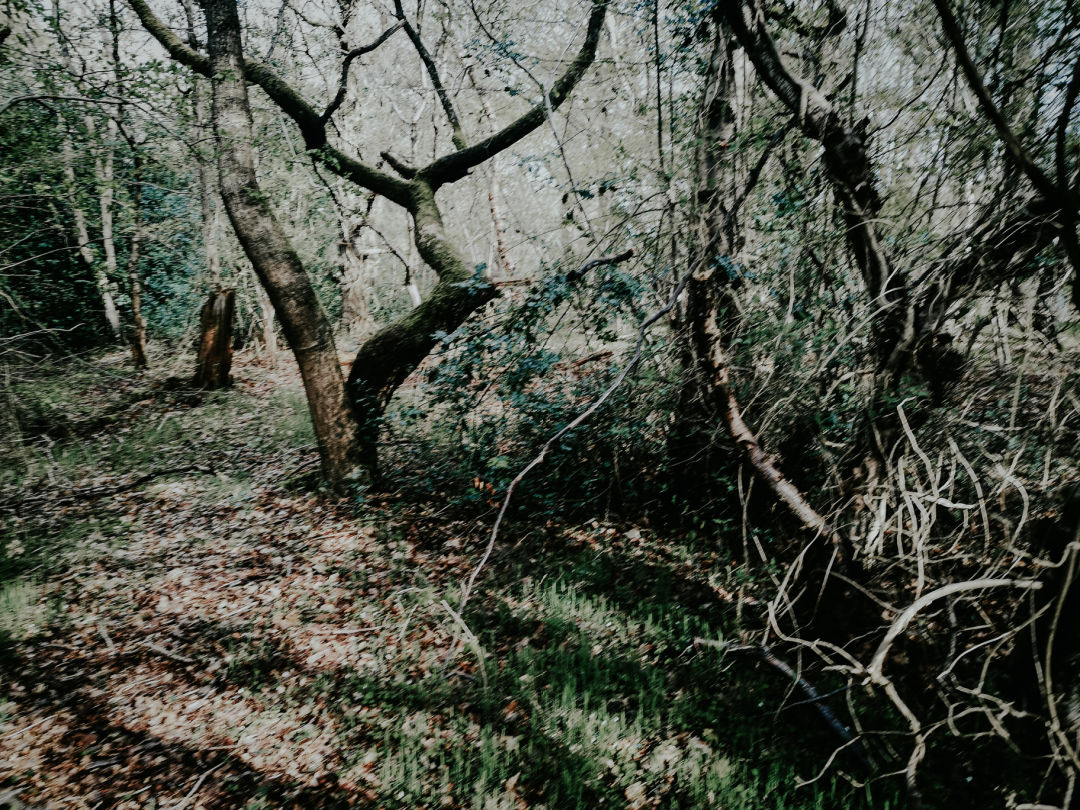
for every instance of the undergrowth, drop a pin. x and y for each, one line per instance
(571, 680)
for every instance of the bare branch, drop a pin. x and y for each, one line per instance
(458, 135)
(454, 166)
(849, 171)
(956, 39)
(339, 98)
(1059, 193)
(312, 127)
(900, 624)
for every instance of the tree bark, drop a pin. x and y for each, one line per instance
(303, 320)
(204, 166)
(267, 327)
(710, 305)
(104, 175)
(215, 340)
(138, 322)
(851, 176)
(82, 233)
(693, 438)
(390, 355)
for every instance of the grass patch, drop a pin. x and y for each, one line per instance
(21, 612)
(584, 704)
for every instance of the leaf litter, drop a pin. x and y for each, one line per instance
(217, 637)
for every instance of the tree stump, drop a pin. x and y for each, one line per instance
(215, 340)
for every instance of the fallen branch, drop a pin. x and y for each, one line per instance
(183, 659)
(198, 784)
(765, 653)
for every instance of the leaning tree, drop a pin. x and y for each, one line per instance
(346, 411)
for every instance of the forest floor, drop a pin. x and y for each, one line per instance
(187, 622)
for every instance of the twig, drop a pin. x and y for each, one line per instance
(196, 786)
(19, 731)
(345, 631)
(639, 349)
(108, 641)
(162, 651)
(343, 82)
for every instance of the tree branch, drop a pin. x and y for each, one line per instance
(849, 171)
(454, 166)
(1012, 144)
(1060, 192)
(47, 97)
(339, 97)
(312, 127)
(458, 136)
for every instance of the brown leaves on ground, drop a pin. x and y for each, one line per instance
(177, 655)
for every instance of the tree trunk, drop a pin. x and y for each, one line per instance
(709, 302)
(138, 323)
(267, 328)
(354, 272)
(82, 233)
(101, 278)
(386, 359)
(279, 269)
(692, 442)
(851, 176)
(390, 355)
(215, 340)
(204, 166)
(103, 173)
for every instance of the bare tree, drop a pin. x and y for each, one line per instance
(347, 426)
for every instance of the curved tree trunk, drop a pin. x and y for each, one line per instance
(386, 358)
(279, 269)
(348, 427)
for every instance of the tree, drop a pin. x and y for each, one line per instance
(924, 268)
(347, 424)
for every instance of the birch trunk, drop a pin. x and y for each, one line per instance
(82, 233)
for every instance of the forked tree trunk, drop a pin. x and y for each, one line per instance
(279, 269)
(390, 355)
(215, 340)
(347, 426)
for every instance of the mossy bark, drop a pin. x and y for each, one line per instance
(347, 426)
(384, 360)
